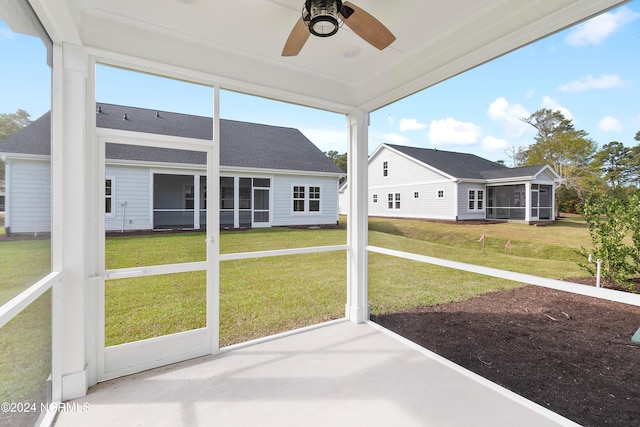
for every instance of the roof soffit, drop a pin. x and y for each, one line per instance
(239, 43)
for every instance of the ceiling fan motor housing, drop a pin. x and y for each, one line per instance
(323, 18)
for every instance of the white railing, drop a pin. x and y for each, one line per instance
(608, 294)
(21, 301)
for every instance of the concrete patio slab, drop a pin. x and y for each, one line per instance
(339, 374)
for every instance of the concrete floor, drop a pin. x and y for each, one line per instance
(337, 375)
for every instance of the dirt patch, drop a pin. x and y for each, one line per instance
(569, 353)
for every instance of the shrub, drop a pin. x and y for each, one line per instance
(613, 222)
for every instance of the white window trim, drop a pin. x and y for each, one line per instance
(476, 200)
(375, 198)
(306, 199)
(416, 195)
(394, 200)
(111, 214)
(438, 196)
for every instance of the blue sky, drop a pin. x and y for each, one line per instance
(590, 72)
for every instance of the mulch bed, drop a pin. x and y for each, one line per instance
(569, 353)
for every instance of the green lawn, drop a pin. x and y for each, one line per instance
(258, 297)
(263, 296)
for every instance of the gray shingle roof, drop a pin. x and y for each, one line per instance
(242, 144)
(464, 165)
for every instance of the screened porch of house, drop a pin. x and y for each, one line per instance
(510, 202)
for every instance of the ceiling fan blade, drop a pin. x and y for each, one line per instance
(297, 39)
(366, 26)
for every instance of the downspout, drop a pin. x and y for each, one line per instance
(124, 210)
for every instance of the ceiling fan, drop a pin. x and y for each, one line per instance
(323, 18)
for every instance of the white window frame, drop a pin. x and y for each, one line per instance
(475, 200)
(440, 194)
(295, 190)
(416, 194)
(317, 190)
(393, 201)
(375, 198)
(306, 199)
(112, 196)
(385, 169)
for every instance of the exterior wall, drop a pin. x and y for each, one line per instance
(29, 203)
(545, 177)
(28, 199)
(407, 177)
(343, 201)
(131, 185)
(464, 213)
(282, 197)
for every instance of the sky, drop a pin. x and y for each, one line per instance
(591, 73)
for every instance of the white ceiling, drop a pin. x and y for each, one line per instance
(240, 42)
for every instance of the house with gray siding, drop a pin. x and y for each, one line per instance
(411, 182)
(269, 175)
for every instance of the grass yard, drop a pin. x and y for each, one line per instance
(263, 296)
(258, 297)
(396, 284)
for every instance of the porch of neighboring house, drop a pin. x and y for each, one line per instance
(174, 200)
(339, 373)
(244, 202)
(510, 202)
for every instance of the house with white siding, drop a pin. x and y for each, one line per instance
(411, 182)
(269, 175)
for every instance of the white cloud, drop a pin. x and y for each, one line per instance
(595, 30)
(553, 105)
(509, 114)
(610, 124)
(411, 124)
(493, 144)
(606, 81)
(530, 93)
(394, 138)
(453, 132)
(390, 119)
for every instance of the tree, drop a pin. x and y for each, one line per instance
(10, 124)
(517, 155)
(634, 163)
(340, 160)
(613, 162)
(567, 150)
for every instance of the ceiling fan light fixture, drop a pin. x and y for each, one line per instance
(323, 18)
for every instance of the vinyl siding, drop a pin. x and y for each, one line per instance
(463, 202)
(133, 186)
(30, 207)
(29, 199)
(544, 177)
(406, 177)
(283, 201)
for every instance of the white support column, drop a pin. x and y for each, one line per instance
(196, 201)
(553, 201)
(357, 309)
(76, 222)
(527, 201)
(236, 201)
